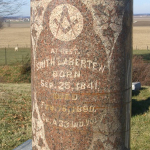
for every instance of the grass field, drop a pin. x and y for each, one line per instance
(10, 57)
(11, 37)
(15, 117)
(141, 38)
(141, 52)
(14, 24)
(19, 34)
(140, 122)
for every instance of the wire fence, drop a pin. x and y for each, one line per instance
(20, 45)
(141, 47)
(8, 56)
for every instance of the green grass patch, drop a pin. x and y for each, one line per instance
(144, 53)
(141, 52)
(9, 56)
(140, 122)
(15, 115)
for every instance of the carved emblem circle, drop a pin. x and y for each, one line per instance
(66, 22)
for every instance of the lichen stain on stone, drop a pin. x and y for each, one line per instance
(41, 144)
(35, 115)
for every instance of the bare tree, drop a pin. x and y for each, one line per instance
(1, 22)
(9, 7)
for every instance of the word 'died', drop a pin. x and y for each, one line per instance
(62, 96)
(72, 62)
(69, 123)
(58, 96)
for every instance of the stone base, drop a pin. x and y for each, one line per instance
(136, 86)
(25, 146)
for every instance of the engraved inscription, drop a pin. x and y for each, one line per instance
(69, 124)
(61, 96)
(76, 62)
(78, 86)
(69, 109)
(66, 74)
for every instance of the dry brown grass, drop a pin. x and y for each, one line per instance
(11, 37)
(20, 34)
(140, 71)
(141, 37)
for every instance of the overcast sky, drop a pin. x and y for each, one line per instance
(140, 6)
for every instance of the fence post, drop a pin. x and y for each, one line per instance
(5, 57)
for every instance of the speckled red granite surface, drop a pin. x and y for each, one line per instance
(81, 74)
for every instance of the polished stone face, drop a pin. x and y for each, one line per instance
(81, 74)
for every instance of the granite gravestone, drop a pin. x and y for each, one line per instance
(81, 74)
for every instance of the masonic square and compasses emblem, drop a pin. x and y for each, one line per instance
(66, 22)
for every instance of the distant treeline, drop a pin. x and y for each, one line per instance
(16, 17)
(141, 14)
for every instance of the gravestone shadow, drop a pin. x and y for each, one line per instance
(137, 92)
(140, 107)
